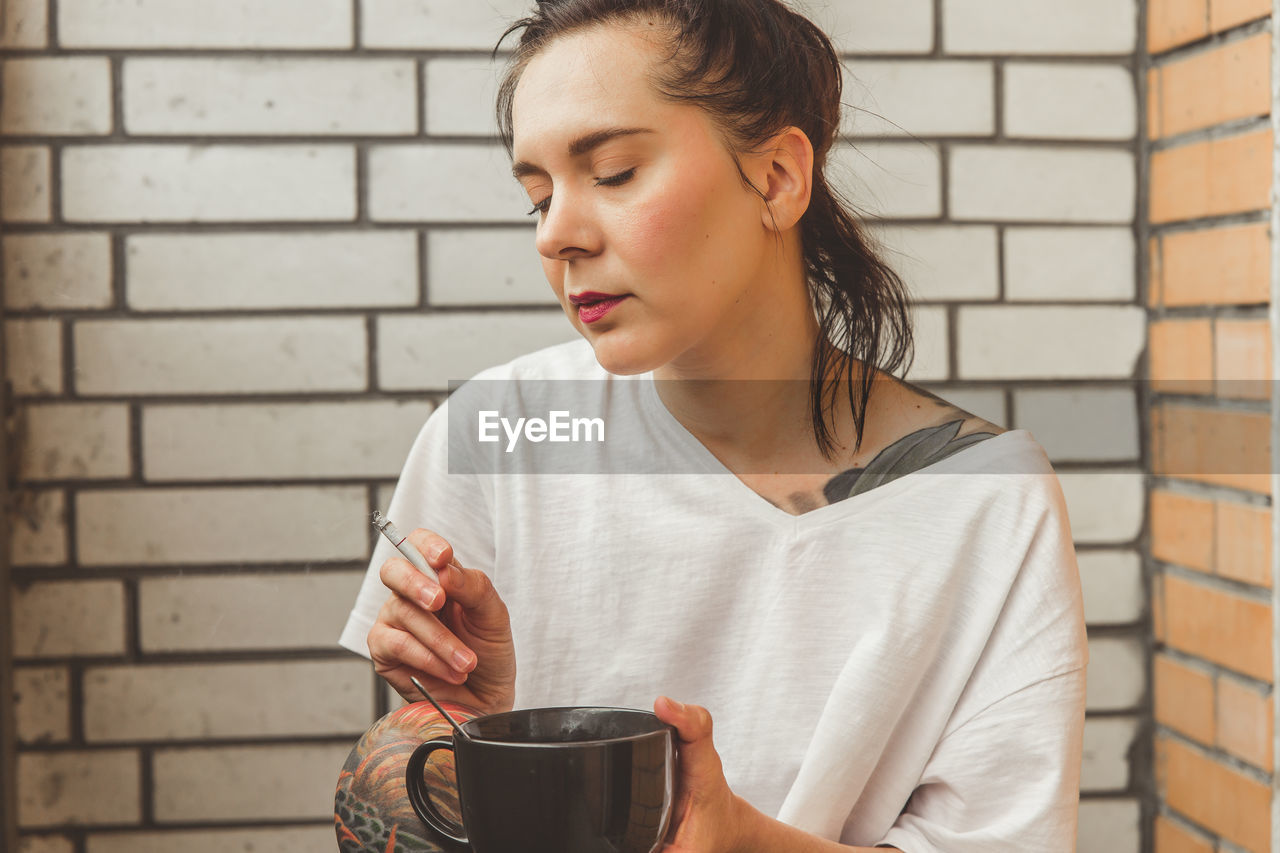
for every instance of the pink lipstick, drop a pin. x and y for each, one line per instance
(592, 305)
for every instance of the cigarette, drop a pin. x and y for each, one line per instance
(387, 529)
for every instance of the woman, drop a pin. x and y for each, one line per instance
(893, 657)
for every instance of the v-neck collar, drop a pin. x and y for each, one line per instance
(747, 499)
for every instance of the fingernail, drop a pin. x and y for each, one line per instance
(461, 660)
(429, 596)
(679, 706)
(434, 551)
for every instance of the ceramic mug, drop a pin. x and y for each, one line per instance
(555, 780)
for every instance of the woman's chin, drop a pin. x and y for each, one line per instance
(623, 358)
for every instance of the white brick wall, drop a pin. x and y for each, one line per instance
(173, 24)
(208, 183)
(289, 97)
(246, 245)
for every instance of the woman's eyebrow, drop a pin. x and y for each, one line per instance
(582, 145)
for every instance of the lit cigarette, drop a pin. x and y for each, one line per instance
(387, 529)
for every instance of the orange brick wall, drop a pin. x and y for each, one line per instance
(1209, 208)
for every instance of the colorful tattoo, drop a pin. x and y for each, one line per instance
(371, 809)
(909, 453)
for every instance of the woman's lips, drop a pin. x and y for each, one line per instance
(592, 311)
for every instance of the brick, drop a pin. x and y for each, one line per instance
(25, 184)
(38, 528)
(235, 700)
(1244, 722)
(222, 525)
(1081, 423)
(1158, 632)
(889, 179)
(270, 96)
(45, 844)
(1112, 584)
(302, 839)
(57, 271)
(246, 783)
(1117, 674)
(1217, 797)
(1244, 543)
(74, 441)
(60, 96)
(1182, 530)
(1225, 14)
(1106, 507)
(1181, 356)
(437, 23)
(869, 26)
(1172, 837)
(1242, 359)
(25, 24)
(174, 24)
(460, 95)
(233, 356)
(41, 707)
(1004, 342)
(1171, 23)
(492, 266)
(1105, 764)
(1039, 26)
(33, 355)
(1212, 178)
(426, 352)
(1184, 698)
(292, 270)
(1109, 824)
(932, 362)
(1221, 627)
(102, 788)
(1230, 82)
(941, 263)
(932, 98)
(68, 618)
(208, 183)
(1085, 264)
(1222, 447)
(1154, 97)
(1058, 101)
(443, 183)
(245, 611)
(282, 441)
(1216, 266)
(1010, 182)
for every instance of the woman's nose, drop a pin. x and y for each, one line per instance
(566, 230)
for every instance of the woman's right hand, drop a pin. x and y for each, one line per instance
(456, 640)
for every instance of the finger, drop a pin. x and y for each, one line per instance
(699, 761)
(429, 632)
(394, 649)
(434, 547)
(401, 577)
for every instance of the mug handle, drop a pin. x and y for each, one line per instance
(418, 797)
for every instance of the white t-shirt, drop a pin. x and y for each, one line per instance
(903, 667)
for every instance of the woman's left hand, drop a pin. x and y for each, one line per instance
(708, 817)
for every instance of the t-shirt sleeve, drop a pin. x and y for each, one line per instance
(1006, 780)
(1005, 774)
(452, 503)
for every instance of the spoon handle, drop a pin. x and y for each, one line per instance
(457, 728)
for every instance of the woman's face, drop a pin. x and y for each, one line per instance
(638, 198)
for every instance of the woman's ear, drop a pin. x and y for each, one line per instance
(787, 162)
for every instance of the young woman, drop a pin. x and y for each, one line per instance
(873, 593)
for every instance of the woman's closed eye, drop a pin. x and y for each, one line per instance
(611, 181)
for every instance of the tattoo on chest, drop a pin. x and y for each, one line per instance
(910, 453)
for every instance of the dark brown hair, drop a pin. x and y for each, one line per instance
(757, 67)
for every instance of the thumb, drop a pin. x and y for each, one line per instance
(698, 757)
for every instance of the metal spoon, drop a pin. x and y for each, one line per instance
(457, 728)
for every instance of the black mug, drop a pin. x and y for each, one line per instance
(555, 780)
